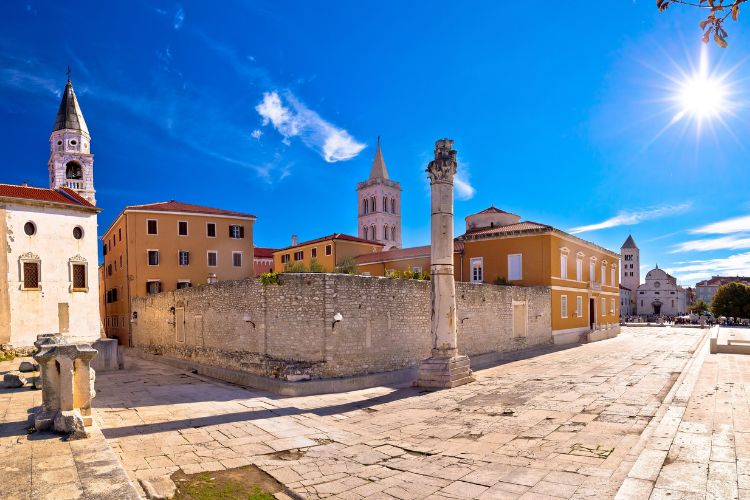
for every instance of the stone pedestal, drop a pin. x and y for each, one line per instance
(445, 368)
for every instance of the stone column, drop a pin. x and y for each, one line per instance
(445, 367)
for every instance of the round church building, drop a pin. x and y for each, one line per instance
(660, 295)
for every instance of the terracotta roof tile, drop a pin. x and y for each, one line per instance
(402, 253)
(334, 236)
(178, 206)
(519, 227)
(263, 252)
(64, 195)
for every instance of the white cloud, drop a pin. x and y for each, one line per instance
(179, 18)
(728, 226)
(733, 242)
(695, 270)
(631, 218)
(255, 134)
(464, 190)
(291, 118)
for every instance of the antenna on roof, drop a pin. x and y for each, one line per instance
(68, 73)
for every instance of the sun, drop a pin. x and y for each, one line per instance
(701, 95)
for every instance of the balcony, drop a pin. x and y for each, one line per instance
(595, 285)
(73, 184)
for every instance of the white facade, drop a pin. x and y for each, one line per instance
(379, 206)
(55, 306)
(627, 302)
(660, 295)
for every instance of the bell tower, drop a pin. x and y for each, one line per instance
(379, 205)
(71, 163)
(630, 264)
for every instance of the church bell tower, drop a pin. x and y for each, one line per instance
(379, 205)
(71, 163)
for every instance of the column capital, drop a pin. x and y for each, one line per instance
(444, 166)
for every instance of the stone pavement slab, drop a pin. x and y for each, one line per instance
(564, 424)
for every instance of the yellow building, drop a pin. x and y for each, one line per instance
(164, 246)
(329, 251)
(500, 248)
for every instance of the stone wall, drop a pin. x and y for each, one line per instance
(287, 331)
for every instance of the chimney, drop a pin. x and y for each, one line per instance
(24, 184)
(294, 240)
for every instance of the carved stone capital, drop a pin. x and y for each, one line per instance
(444, 166)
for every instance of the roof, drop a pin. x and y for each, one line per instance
(334, 236)
(69, 114)
(263, 252)
(629, 243)
(402, 253)
(178, 206)
(518, 227)
(378, 170)
(723, 280)
(625, 288)
(493, 210)
(62, 196)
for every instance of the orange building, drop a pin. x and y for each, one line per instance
(263, 260)
(328, 251)
(164, 246)
(499, 248)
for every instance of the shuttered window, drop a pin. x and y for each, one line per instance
(515, 264)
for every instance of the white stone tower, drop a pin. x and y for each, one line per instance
(379, 205)
(71, 163)
(630, 264)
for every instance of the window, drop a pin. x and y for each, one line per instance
(153, 257)
(373, 232)
(211, 230)
(592, 271)
(29, 228)
(393, 233)
(604, 307)
(604, 273)
(299, 255)
(372, 205)
(364, 232)
(285, 258)
(109, 269)
(151, 227)
(184, 258)
(563, 266)
(153, 287)
(563, 306)
(477, 269)
(78, 232)
(212, 259)
(79, 276)
(182, 228)
(115, 266)
(365, 205)
(612, 277)
(104, 249)
(236, 231)
(515, 264)
(579, 306)
(237, 259)
(612, 306)
(385, 203)
(385, 232)
(120, 261)
(579, 269)
(119, 234)
(416, 269)
(329, 249)
(393, 205)
(183, 284)
(31, 275)
(314, 253)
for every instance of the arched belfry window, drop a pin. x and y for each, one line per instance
(364, 206)
(372, 205)
(373, 232)
(364, 233)
(73, 171)
(393, 205)
(385, 232)
(393, 233)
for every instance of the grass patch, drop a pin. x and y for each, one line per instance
(248, 483)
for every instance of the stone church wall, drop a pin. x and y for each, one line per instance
(287, 331)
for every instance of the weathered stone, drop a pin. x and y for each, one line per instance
(70, 423)
(27, 366)
(13, 380)
(159, 488)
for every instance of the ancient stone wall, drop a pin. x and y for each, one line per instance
(287, 331)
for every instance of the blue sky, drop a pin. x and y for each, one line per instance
(561, 115)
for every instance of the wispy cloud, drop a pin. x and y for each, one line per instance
(631, 218)
(732, 242)
(464, 189)
(179, 18)
(291, 118)
(255, 134)
(695, 270)
(727, 226)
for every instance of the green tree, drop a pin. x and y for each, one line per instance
(719, 11)
(297, 267)
(316, 267)
(732, 300)
(700, 307)
(347, 266)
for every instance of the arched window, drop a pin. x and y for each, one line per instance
(73, 171)
(385, 232)
(373, 208)
(364, 206)
(385, 203)
(393, 205)
(393, 233)
(364, 233)
(373, 232)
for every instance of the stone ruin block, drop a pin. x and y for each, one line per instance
(67, 381)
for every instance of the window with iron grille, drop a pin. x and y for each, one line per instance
(31, 274)
(79, 276)
(236, 231)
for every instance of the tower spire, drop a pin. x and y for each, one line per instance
(378, 170)
(68, 73)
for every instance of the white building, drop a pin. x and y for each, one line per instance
(660, 295)
(49, 242)
(379, 205)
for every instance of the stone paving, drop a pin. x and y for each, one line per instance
(42, 465)
(565, 424)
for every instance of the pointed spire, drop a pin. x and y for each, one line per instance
(629, 243)
(378, 170)
(69, 114)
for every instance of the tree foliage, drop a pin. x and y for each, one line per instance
(732, 300)
(347, 266)
(700, 307)
(718, 13)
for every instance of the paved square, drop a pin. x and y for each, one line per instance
(562, 424)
